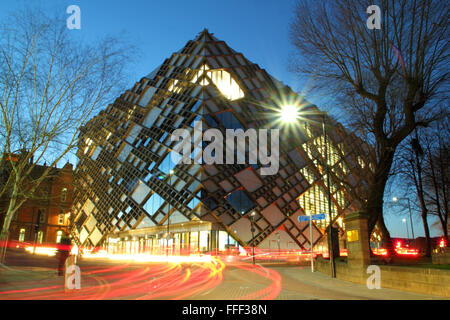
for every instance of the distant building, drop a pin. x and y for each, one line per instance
(44, 217)
(133, 198)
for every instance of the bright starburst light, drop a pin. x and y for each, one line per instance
(289, 113)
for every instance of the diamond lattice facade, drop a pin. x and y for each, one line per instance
(131, 195)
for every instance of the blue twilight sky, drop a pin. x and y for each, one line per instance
(256, 28)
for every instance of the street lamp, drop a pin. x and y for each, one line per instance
(252, 220)
(395, 199)
(168, 214)
(289, 114)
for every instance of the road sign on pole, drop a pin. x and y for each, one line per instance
(319, 216)
(310, 218)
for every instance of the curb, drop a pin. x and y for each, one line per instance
(6, 268)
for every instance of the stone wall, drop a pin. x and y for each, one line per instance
(415, 279)
(441, 257)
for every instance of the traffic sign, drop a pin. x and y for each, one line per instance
(319, 216)
(309, 219)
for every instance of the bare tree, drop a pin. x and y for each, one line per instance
(413, 160)
(436, 175)
(423, 163)
(50, 85)
(386, 81)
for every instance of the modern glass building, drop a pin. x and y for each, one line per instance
(132, 196)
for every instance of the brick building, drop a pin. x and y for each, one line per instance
(45, 216)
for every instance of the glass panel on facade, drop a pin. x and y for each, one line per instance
(193, 203)
(229, 121)
(239, 200)
(315, 201)
(167, 164)
(153, 204)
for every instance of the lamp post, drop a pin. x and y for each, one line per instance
(395, 199)
(330, 226)
(168, 214)
(407, 231)
(252, 220)
(289, 113)
(278, 242)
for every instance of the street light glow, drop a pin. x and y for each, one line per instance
(289, 113)
(395, 199)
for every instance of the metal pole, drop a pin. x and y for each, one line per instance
(410, 219)
(168, 220)
(36, 229)
(330, 238)
(407, 230)
(253, 245)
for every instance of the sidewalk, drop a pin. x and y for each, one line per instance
(299, 283)
(325, 287)
(14, 275)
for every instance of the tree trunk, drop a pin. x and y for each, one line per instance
(387, 240)
(427, 235)
(423, 206)
(6, 224)
(4, 237)
(444, 224)
(374, 205)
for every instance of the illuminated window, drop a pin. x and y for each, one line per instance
(333, 154)
(203, 241)
(58, 236)
(308, 174)
(361, 162)
(175, 86)
(194, 241)
(308, 150)
(64, 195)
(343, 167)
(199, 74)
(221, 79)
(315, 201)
(42, 216)
(307, 130)
(88, 144)
(340, 198)
(226, 84)
(22, 235)
(40, 236)
(333, 185)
